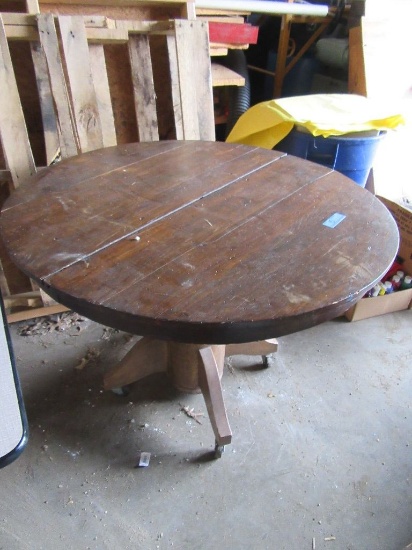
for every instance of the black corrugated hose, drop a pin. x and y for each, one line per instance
(239, 96)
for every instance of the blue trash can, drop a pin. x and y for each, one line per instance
(350, 154)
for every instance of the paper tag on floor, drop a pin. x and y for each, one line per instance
(144, 460)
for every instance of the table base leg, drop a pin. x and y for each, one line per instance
(209, 381)
(192, 368)
(146, 357)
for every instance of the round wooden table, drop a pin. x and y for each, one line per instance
(196, 245)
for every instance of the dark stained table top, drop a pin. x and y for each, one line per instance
(201, 242)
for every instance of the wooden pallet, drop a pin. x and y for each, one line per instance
(80, 106)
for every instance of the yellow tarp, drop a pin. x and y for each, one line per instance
(267, 123)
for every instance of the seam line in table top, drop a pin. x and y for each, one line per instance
(160, 218)
(182, 207)
(245, 222)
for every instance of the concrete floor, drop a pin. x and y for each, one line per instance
(321, 455)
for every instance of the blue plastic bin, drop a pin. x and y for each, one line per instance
(350, 154)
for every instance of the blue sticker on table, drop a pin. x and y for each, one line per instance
(334, 220)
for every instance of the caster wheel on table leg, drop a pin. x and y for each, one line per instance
(219, 450)
(123, 391)
(265, 361)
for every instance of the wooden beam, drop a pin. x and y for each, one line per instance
(106, 36)
(356, 72)
(35, 312)
(223, 76)
(18, 19)
(144, 27)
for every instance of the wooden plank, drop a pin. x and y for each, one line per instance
(85, 106)
(143, 88)
(192, 45)
(19, 160)
(51, 136)
(30, 19)
(95, 32)
(101, 84)
(35, 312)
(20, 32)
(209, 11)
(217, 50)
(23, 299)
(223, 18)
(99, 21)
(204, 89)
(175, 86)
(32, 6)
(188, 10)
(356, 72)
(18, 19)
(223, 76)
(48, 38)
(134, 26)
(225, 47)
(187, 70)
(106, 36)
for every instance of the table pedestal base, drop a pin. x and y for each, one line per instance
(193, 368)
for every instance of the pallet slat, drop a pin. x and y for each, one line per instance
(51, 138)
(50, 45)
(198, 122)
(143, 88)
(13, 129)
(101, 84)
(78, 65)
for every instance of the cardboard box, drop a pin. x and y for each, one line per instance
(402, 299)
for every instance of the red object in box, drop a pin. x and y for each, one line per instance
(396, 266)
